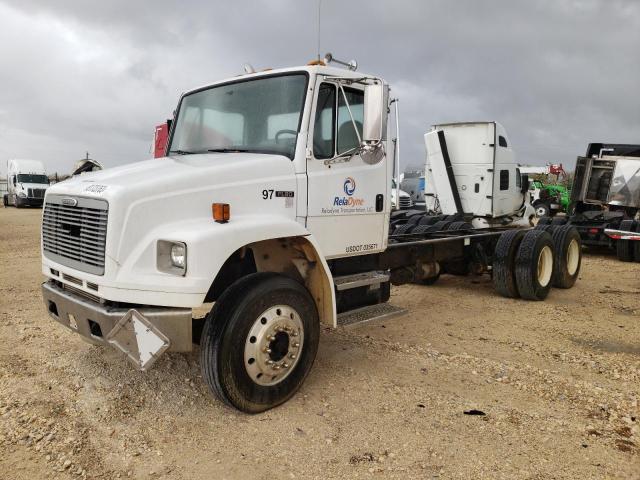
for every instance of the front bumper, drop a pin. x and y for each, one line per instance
(97, 322)
(29, 201)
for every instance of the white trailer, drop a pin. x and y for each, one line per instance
(27, 182)
(274, 202)
(471, 171)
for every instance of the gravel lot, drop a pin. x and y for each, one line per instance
(558, 381)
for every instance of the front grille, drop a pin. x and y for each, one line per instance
(74, 232)
(405, 202)
(35, 192)
(80, 293)
(71, 279)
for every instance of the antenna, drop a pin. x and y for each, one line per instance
(319, 16)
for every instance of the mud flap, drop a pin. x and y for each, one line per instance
(142, 342)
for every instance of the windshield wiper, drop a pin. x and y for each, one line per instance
(228, 150)
(183, 152)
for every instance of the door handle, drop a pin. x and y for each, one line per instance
(379, 202)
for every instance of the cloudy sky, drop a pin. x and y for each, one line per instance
(93, 76)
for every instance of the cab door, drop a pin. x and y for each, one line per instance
(347, 198)
(507, 197)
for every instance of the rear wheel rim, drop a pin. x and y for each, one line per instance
(573, 257)
(545, 266)
(273, 345)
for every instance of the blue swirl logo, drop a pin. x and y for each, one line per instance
(349, 186)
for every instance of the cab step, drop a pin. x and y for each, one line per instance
(347, 282)
(381, 311)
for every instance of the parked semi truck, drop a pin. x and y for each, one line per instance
(471, 172)
(27, 182)
(273, 202)
(605, 195)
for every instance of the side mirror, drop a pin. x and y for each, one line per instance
(525, 183)
(15, 182)
(374, 125)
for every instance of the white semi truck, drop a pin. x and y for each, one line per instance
(27, 182)
(474, 173)
(273, 202)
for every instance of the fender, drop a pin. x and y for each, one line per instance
(209, 245)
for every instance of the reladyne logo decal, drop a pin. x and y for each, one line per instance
(347, 203)
(349, 186)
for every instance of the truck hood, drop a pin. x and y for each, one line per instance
(171, 174)
(171, 198)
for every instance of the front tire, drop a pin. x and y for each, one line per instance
(259, 342)
(542, 209)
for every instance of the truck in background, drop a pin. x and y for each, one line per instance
(413, 183)
(160, 138)
(548, 199)
(274, 203)
(27, 182)
(605, 195)
(471, 171)
(405, 201)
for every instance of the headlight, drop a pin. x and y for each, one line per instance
(172, 257)
(22, 194)
(179, 255)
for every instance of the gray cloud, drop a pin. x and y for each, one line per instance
(99, 76)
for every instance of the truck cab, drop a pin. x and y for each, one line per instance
(279, 172)
(27, 182)
(471, 170)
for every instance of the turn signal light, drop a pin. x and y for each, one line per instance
(221, 212)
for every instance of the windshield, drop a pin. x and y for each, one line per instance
(30, 178)
(260, 115)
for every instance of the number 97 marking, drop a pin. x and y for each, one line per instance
(267, 194)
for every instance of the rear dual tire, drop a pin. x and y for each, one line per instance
(259, 342)
(523, 264)
(567, 256)
(504, 280)
(534, 265)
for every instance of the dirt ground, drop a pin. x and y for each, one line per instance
(558, 381)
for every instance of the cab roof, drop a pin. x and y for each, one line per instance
(309, 69)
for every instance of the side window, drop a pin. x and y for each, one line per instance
(518, 178)
(502, 141)
(504, 179)
(324, 126)
(347, 137)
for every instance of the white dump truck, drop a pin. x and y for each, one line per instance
(273, 202)
(27, 182)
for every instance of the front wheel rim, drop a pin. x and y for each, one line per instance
(273, 345)
(573, 257)
(545, 266)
